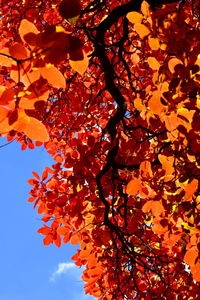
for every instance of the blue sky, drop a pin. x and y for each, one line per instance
(29, 270)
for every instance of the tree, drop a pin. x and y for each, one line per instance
(111, 88)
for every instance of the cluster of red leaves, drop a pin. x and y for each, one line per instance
(113, 92)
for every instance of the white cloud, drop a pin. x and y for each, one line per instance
(62, 268)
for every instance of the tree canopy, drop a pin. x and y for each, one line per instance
(111, 89)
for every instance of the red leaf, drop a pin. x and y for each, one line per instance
(36, 175)
(48, 240)
(69, 9)
(18, 51)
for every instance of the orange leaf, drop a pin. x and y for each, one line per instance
(191, 256)
(154, 103)
(61, 230)
(26, 103)
(155, 207)
(26, 27)
(153, 63)
(154, 43)
(5, 60)
(133, 186)
(135, 58)
(145, 169)
(138, 104)
(3, 113)
(172, 121)
(145, 9)
(195, 271)
(134, 17)
(36, 131)
(54, 77)
(75, 239)
(190, 189)
(80, 66)
(141, 30)
(30, 77)
(4, 127)
(172, 63)
(167, 163)
(7, 96)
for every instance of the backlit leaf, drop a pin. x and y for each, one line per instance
(53, 76)
(173, 62)
(154, 43)
(135, 17)
(153, 63)
(133, 186)
(145, 169)
(167, 163)
(18, 51)
(48, 240)
(195, 271)
(155, 207)
(155, 104)
(5, 58)
(190, 189)
(3, 113)
(7, 96)
(141, 30)
(75, 238)
(145, 8)
(80, 66)
(191, 256)
(26, 27)
(35, 130)
(135, 58)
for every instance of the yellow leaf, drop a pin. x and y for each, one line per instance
(134, 17)
(54, 77)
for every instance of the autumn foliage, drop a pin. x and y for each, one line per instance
(111, 88)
